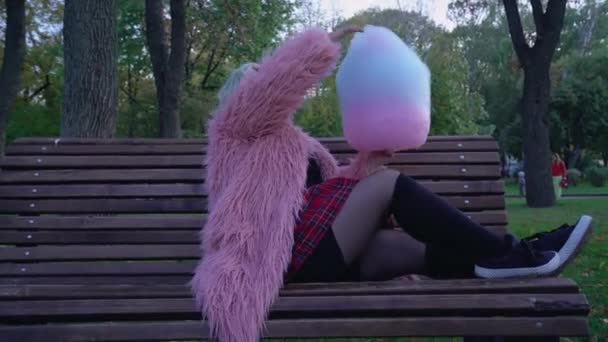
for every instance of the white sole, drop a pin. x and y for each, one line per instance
(576, 238)
(542, 270)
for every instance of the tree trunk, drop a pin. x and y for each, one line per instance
(536, 62)
(90, 101)
(168, 68)
(14, 52)
(536, 142)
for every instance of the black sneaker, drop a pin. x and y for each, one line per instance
(566, 240)
(521, 261)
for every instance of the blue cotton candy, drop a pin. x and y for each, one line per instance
(385, 93)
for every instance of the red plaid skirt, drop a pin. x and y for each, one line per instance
(322, 204)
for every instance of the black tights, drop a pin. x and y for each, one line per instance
(437, 239)
(454, 242)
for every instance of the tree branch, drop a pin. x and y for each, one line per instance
(212, 87)
(133, 99)
(178, 38)
(155, 37)
(208, 69)
(537, 12)
(198, 56)
(516, 31)
(189, 44)
(212, 67)
(587, 32)
(47, 83)
(556, 10)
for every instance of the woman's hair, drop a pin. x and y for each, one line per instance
(233, 82)
(556, 156)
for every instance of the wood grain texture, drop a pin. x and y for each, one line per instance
(465, 286)
(306, 328)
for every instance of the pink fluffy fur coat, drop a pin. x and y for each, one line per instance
(256, 173)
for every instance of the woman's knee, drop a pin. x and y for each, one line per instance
(385, 175)
(379, 185)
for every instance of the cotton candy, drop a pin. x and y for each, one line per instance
(385, 93)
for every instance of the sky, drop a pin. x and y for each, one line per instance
(436, 9)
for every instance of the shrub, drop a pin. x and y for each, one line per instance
(597, 176)
(574, 176)
(586, 161)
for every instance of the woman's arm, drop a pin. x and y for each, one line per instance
(265, 99)
(365, 164)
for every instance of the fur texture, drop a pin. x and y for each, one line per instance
(256, 174)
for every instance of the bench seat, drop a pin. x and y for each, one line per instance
(98, 239)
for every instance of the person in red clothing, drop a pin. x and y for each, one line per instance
(558, 171)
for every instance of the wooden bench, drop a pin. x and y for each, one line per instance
(99, 237)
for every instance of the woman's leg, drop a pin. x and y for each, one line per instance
(430, 219)
(390, 254)
(364, 213)
(556, 188)
(453, 241)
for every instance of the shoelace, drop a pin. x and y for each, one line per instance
(541, 234)
(532, 253)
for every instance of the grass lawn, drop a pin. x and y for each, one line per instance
(589, 270)
(582, 188)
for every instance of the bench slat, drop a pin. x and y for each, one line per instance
(99, 268)
(306, 328)
(453, 286)
(98, 237)
(153, 222)
(103, 222)
(98, 280)
(197, 175)
(196, 161)
(338, 306)
(479, 286)
(197, 141)
(175, 280)
(181, 149)
(104, 252)
(55, 237)
(177, 205)
(198, 190)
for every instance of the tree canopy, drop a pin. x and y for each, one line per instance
(476, 78)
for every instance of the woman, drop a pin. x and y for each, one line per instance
(280, 209)
(559, 174)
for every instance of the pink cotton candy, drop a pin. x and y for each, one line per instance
(384, 92)
(391, 131)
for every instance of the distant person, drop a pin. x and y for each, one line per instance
(558, 171)
(521, 182)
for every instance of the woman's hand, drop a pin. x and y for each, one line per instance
(365, 164)
(379, 158)
(338, 34)
(383, 154)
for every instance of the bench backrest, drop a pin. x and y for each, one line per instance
(78, 211)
